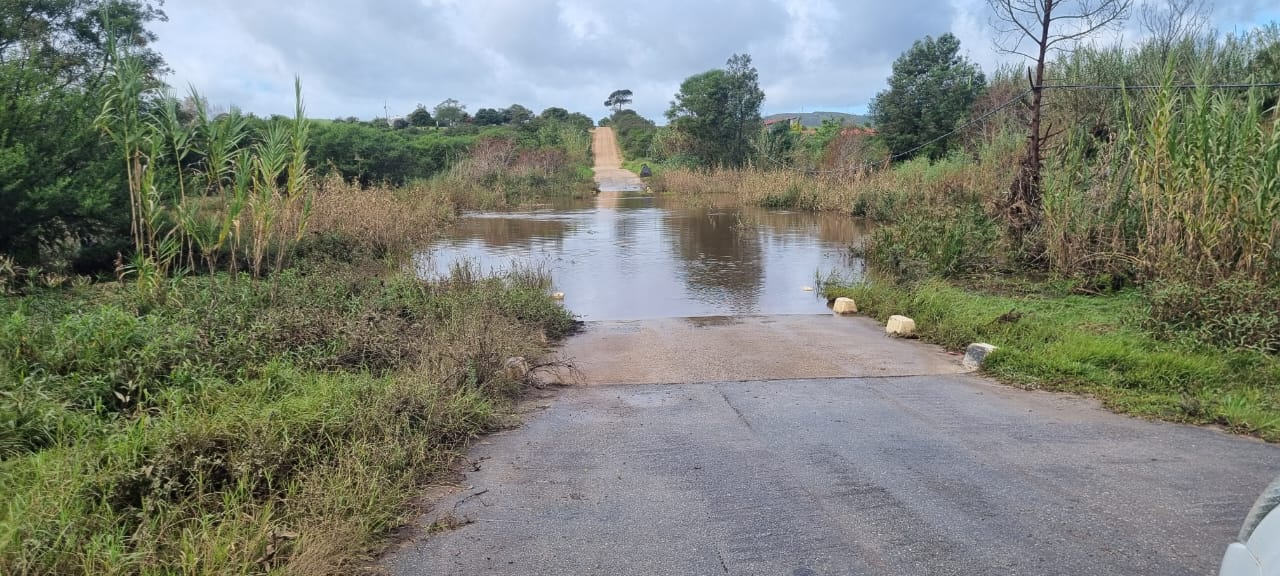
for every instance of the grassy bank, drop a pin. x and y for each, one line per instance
(1150, 275)
(1049, 338)
(226, 425)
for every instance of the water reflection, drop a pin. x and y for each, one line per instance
(631, 256)
(720, 257)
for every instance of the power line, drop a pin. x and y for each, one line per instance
(1156, 86)
(1017, 99)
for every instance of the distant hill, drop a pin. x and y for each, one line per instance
(814, 119)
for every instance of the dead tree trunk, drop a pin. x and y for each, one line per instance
(1047, 24)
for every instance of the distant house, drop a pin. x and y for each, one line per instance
(858, 131)
(790, 120)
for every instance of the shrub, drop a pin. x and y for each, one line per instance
(1237, 313)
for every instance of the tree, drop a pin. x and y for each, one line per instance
(490, 117)
(931, 89)
(580, 121)
(60, 183)
(451, 112)
(1050, 25)
(618, 99)
(1169, 21)
(635, 133)
(555, 114)
(420, 117)
(720, 111)
(517, 114)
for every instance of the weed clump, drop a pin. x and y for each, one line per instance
(247, 425)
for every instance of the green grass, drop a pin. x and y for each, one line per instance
(634, 165)
(277, 426)
(1090, 344)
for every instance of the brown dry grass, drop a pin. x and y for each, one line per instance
(386, 219)
(881, 195)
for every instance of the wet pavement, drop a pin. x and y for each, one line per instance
(739, 348)
(913, 476)
(722, 421)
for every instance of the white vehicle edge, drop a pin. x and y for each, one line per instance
(1258, 551)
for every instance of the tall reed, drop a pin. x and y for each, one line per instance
(254, 197)
(1206, 174)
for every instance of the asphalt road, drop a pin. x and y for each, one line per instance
(948, 474)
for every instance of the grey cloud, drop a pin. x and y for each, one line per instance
(354, 56)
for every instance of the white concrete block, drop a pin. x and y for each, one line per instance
(845, 306)
(516, 368)
(900, 326)
(976, 354)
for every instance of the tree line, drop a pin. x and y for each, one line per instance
(64, 191)
(933, 96)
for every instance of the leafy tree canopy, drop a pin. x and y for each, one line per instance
(720, 111)
(420, 117)
(60, 184)
(618, 99)
(517, 114)
(930, 91)
(451, 112)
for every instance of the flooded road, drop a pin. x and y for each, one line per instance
(629, 256)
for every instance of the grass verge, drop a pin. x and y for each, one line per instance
(234, 426)
(1096, 345)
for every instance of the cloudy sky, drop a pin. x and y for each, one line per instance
(355, 56)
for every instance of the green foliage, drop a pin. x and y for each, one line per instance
(451, 112)
(1096, 345)
(1205, 171)
(1238, 314)
(190, 437)
(373, 154)
(420, 117)
(255, 200)
(491, 117)
(920, 245)
(719, 110)
(618, 99)
(930, 91)
(61, 186)
(635, 133)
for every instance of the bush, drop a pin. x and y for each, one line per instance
(1236, 314)
(921, 245)
(1091, 344)
(247, 426)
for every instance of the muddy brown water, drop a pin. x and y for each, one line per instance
(631, 256)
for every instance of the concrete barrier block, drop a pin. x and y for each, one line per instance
(976, 354)
(900, 326)
(845, 306)
(516, 368)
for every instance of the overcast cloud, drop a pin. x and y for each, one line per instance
(354, 56)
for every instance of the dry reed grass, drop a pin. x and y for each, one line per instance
(386, 219)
